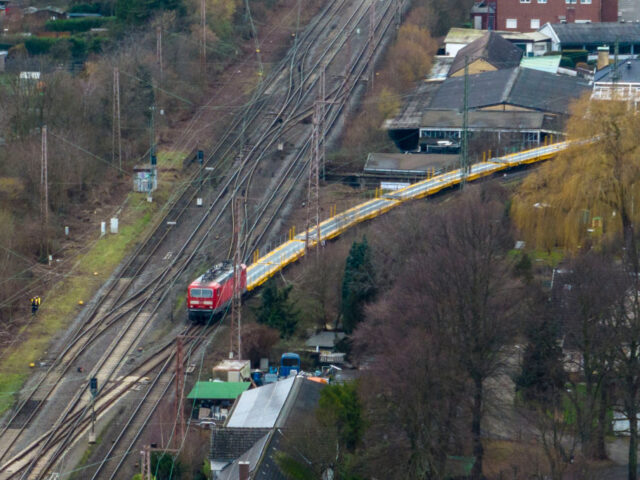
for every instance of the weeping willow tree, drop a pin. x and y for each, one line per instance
(591, 188)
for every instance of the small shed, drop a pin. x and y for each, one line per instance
(145, 178)
(3, 57)
(324, 341)
(217, 390)
(232, 370)
(215, 397)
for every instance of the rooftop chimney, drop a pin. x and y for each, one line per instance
(603, 57)
(243, 470)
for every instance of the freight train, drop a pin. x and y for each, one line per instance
(212, 292)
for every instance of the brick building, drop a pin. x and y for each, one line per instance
(530, 15)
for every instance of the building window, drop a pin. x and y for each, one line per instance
(585, 2)
(525, 1)
(535, 23)
(571, 2)
(542, 1)
(512, 23)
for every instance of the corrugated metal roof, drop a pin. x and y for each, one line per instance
(578, 34)
(260, 407)
(545, 63)
(218, 390)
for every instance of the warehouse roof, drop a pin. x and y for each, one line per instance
(520, 87)
(492, 48)
(217, 390)
(595, 33)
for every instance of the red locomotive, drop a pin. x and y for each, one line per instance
(212, 292)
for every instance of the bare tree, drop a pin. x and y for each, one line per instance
(589, 290)
(457, 297)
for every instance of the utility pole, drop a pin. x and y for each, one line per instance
(44, 193)
(398, 14)
(465, 126)
(203, 47)
(313, 187)
(235, 340)
(321, 117)
(159, 50)
(372, 27)
(152, 144)
(616, 73)
(179, 391)
(116, 137)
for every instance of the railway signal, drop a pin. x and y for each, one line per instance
(93, 388)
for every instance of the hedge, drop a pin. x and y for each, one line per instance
(76, 25)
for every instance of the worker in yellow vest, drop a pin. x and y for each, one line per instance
(35, 303)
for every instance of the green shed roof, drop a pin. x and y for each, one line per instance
(217, 390)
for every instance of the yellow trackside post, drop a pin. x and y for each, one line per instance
(293, 232)
(551, 138)
(484, 157)
(489, 155)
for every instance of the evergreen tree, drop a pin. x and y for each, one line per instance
(358, 284)
(542, 377)
(339, 406)
(276, 310)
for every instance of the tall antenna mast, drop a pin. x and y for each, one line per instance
(235, 338)
(465, 125)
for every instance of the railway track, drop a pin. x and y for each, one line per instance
(99, 316)
(159, 285)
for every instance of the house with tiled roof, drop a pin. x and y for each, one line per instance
(486, 54)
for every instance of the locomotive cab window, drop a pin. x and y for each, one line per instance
(202, 293)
